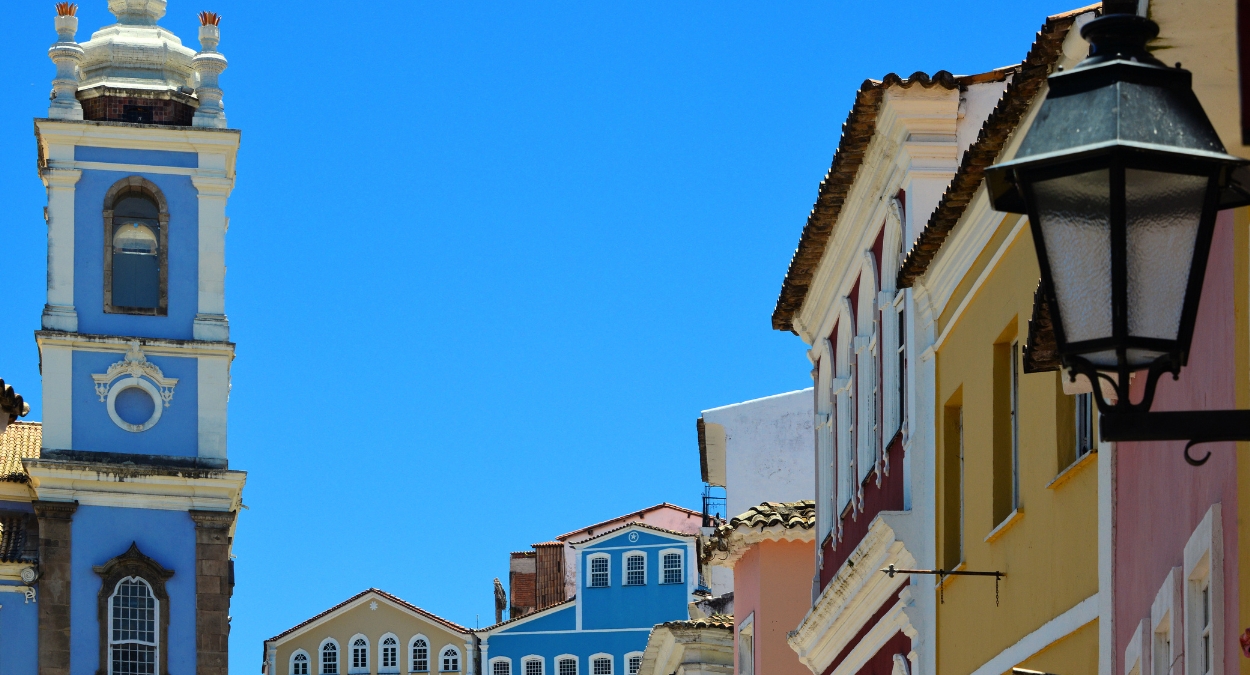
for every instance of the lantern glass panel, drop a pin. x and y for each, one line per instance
(1162, 212)
(1074, 214)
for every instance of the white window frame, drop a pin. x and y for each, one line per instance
(633, 655)
(590, 569)
(156, 624)
(1204, 567)
(664, 570)
(338, 656)
(1166, 623)
(442, 652)
(747, 628)
(290, 668)
(382, 667)
(577, 666)
(412, 664)
(601, 655)
(352, 668)
(533, 658)
(625, 567)
(1137, 651)
(490, 665)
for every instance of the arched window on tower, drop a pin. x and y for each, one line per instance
(329, 659)
(133, 638)
(136, 237)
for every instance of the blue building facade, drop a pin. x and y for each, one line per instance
(628, 579)
(121, 503)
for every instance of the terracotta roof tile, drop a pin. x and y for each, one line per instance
(799, 515)
(993, 136)
(649, 527)
(634, 514)
(715, 621)
(531, 615)
(20, 441)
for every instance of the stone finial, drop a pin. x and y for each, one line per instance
(137, 12)
(208, 65)
(67, 56)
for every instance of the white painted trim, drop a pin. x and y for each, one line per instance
(625, 567)
(1051, 632)
(460, 664)
(867, 647)
(59, 312)
(1106, 557)
(990, 268)
(134, 383)
(136, 168)
(555, 663)
(490, 664)
(542, 663)
(429, 650)
(1165, 617)
(632, 546)
(1137, 651)
(213, 396)
(625, 662)
(352, 669)
(660, 571)
(100, 486)
(590, 558)
(117, 344)
(1204, 565)
(290, 666)
(210, 320)
(590, 663)
(338, 656)
(381, 645)
(579, 631)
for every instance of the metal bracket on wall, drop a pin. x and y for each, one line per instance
(25, 590)
(942, 574)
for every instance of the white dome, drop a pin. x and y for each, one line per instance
(135, 53)
(137, 11)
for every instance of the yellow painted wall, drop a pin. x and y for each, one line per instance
(1049, 550)
(373, 623)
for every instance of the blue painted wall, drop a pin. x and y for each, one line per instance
(565, 619)
(91, 153)
(581, 645)
(19, 635)
(101, 533)
(176, 433)
(183, 255)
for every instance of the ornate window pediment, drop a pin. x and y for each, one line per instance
(133, 615)
(140, 385)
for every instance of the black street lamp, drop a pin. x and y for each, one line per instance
(1121, 175)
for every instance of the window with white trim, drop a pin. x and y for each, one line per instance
(451, 659)
(360, 655)
(634, 661)
(501, 667)
(1165, 629)
(566, 665)
(746, 646)
(674, 572)
(598, 576)
(299, 663)
(389, 655)
(420, 655)
(1084, 422)
(1204, 597)
(900, 373)
(601, 665)
(635, 569)
(329, 659)
(133, 644)
(533, 666)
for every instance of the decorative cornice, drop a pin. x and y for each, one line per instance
(52, 510)
(136, 486)
(121, 344)
(770, 521)
(852, 597)
(213, 520)
(133, 563)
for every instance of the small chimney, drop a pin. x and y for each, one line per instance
(208, 65)
(67, 56)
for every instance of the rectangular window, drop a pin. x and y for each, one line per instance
(1006, 451)
(534, 667)
(953, 482)
(602, 666)
(598, 573)
(502, 668)
(1205, 627)
(635, 665)
(900, 405)
(746, 647)
(1161, 653)
(568, 667)
(635, 570)
(673, 568)
(1084, 424)
(1015, 425)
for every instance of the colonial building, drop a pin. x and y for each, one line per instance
(126, 485)
(628, 579)
(771, 550)
(691, 647)
(372, 633)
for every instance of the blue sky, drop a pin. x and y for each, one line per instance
(487, 262)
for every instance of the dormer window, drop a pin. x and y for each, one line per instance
(136, 237)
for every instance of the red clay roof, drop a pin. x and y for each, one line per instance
(634, 514)
(403, 603)
(626, 525)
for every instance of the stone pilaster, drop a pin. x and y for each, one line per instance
(55, 520)
(213, 589)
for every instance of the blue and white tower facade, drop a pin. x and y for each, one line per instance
(628, 580)
(132, 491)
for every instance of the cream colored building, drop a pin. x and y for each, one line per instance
(372, 633)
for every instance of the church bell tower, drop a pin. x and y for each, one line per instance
(135, 499)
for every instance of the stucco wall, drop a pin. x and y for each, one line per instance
(19, 635)
(177, 431)
(1049, 552)
(1160, 499)
(768, 450)
(773, 581)
(373, 623)
(101, 533)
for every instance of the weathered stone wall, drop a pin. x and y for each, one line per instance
(213, 588)
(55, 520)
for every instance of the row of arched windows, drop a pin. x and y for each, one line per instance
(421, 658)
(567, 664)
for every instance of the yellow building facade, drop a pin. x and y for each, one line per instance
(372, 633)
